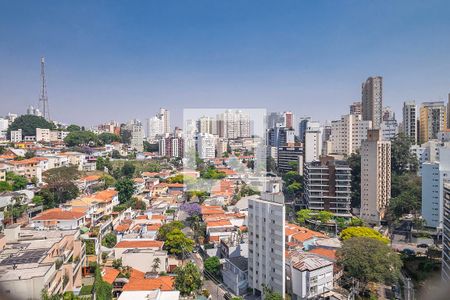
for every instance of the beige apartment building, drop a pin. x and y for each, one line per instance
(433, 119)
(375, 177)
(32, 261)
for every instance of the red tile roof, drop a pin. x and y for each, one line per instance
(324, 252)
(109, 274)
(106, 195)
(163, 283)
(139, 244)
(61, 214)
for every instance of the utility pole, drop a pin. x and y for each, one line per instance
(43, 99)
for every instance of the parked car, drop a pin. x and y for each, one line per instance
(422, 246)
(408, 251)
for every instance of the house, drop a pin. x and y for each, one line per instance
(60, 218)
(139, 185)
(29, 168)
(307, 275)
(144, 259)
(87, 181)
(33, 260)
(217, 230)
(235, 274)
(128, 244)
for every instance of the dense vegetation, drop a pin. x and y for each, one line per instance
(28, 124)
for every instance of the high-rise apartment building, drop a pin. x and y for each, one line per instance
(433, 118)
(266, 234)
(372, 100)
(356, 108)
(375, 177)
(288, 118)
(448, 111)
(410, 120)
(328, 186)
(171, 146)
(302, 126)
(207, 125)
(137, 136)
(434, 174)
(288, 155)
(347, 134)
(206, 146)
(313, 142)
(154, 128)
(164, 115)
(446, 235)
(273, 119)
(234, 124)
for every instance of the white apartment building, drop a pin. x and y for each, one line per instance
(389, 129)
(42, 135)
(375, 177)
(308, 276)
(313, 142)
(164, 115)
(235, 124)
(3, 127)
(410, 120)
(206, 146)
(434, 173)
(348, 133)
(16, 136)
(266, 232)
(154, 128)
(137, 137)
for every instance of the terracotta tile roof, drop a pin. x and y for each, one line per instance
(149, 174)
(142, 217)
(61, 214)
(211, 210)
(109, 274)
(153, 227)
(301, 234)
(30, 161)
(215, 238)
(158, 217)
(175, 185)
(218, 223)
(139, 244)
(122, 227)
(163, 283)
(324, 252)
(91, 178)
(138, 180)
(106, 195)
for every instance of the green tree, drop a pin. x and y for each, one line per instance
(103, 290)
(103, 163)
(109, 240)
(151, 147)
(293, 165)
(155, 265)
(28, 124)
(30, 154)
(352, 232)
(69, 173)
(137, 204)
(58, 190)
(5, 186)
(212, 265)
(81, 138)
(73, 127)
(188, 279)
(303, 215)
(177, 243)
(38, 200)
(369, 260)
(125, 188)
(179, 178)
(125, 136)
(402, 160)
(108, 180)
(107, 138)
(168, 227)
(17, 182)
(324, 216)
(128, 169)
(269, 294)
(354, 162)
(117, 263)
(211, 173)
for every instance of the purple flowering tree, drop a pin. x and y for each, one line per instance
(192, 209)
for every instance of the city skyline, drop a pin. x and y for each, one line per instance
(101, 56)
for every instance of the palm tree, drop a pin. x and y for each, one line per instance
(155, 266)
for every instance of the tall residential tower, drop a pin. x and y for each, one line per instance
(372, 100)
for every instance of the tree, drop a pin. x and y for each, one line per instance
(117, 263)
(30, 154)
(107, 138)
(5, 186)
(151, 147)
(125, 188)
(303, 215)
(211, 173)
(69, 173)
(188, 279)
(212, 265)
(103, 290)
(293, 165)
(354, 162)
(402, 160)
(137, 204)
(73, 127)
(109, 240)
(179, 178)
(269, 294)
(58, 190)
(28, 124)
(177, 243)
(125, 136)
(352, 232)
(324, 216)
(38, 200)
(155, 265)
(192, 209)
(168, 227)
(17, 182)
(128, 169)
(81, 138)
(108, 180)
(369, 260)
(103, 163)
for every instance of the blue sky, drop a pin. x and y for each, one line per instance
(125, 59)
